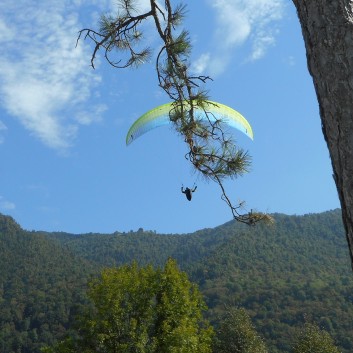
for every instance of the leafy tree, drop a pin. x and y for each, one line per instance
(236, 334)
(313, 339)
(122, 314)
(142, 310)
(211, 150)
(327, 27)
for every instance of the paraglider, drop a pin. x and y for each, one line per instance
(188, 192)
(160, 116)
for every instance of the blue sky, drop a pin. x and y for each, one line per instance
(64, 163)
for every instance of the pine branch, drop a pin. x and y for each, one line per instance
(210, 150)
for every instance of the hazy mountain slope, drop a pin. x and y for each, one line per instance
(40, 285)
(142, 246)
(298, 267)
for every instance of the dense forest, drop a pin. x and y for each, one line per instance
(284, 275)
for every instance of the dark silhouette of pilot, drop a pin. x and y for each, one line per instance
(188, 192)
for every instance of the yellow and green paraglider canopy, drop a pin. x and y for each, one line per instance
(159, 116)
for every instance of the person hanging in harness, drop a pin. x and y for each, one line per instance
(188, 192)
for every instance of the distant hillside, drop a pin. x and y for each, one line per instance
(297, 268)
(145, 247)
(41, 283)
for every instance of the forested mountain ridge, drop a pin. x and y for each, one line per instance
(283, 275)
(41, 283)
(298, 267)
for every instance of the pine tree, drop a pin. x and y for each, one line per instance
(327, 27)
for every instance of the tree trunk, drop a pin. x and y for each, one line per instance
(327, 27)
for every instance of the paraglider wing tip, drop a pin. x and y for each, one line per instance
(250, 134)
(129, 140)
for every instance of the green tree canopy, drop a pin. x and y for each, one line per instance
(142, 310)
(313, 339)
(237, 334)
